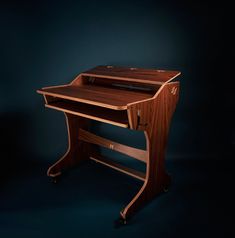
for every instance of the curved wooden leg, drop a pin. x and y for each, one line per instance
(77, 150)
(154, 118)
(147, 192)
(157, 180)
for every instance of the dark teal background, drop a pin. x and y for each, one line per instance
(45, 43)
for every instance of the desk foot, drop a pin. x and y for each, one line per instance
(166, 189)
(120, 222)
(147, 193)
(56, 179)
(77, 150)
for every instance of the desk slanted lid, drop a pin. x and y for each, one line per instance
(153, 76)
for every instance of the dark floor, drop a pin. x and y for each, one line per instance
(87, 200)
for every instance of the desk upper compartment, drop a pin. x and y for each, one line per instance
(151, 76)
(112, 87)
(107, 93)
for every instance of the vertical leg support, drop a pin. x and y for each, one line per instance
(155, 122)
(77, 150)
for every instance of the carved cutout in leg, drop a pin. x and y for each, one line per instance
(77, 150)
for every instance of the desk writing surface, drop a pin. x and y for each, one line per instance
(153, 76)
(112, 98)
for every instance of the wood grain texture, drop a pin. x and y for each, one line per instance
(111, 83)
(140, 115)
(113, 117)
(96, 95)
(124, 149)
(147, 105)
(121, 168)
(156, 133)
(152, 76)
(77, 150)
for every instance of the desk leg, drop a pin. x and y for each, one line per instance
(157, 179)
(77, 150)
(156, 133)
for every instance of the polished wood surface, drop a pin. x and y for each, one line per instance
(153, 76)
(136, 99)
(96, 95)
(77, 150)
(119, 167)
(124, 149)
(156, 131)
(114, 117)
(119, 84)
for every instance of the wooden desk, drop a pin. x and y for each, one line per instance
(138, 99)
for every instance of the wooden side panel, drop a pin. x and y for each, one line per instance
(156, 133)
(78, 81)
(140, 114)
(77, 150)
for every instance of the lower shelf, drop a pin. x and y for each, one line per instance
(114, 117)
(121, 168)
